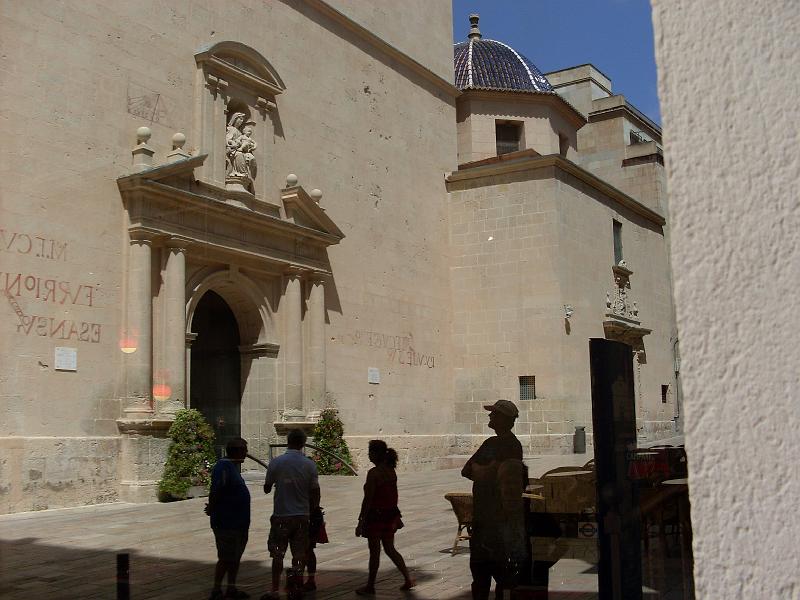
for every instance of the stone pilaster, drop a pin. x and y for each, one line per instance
(293, 357)
(138, 333)
(316, 346)
(174, 326)
(190, 338)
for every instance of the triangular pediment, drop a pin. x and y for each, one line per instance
(303, 210)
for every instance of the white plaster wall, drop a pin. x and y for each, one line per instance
(729, 88)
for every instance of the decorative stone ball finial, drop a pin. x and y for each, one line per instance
(474, 32)
(291, 180)
(178, 140)
(178, 153)
(316, 195)
(142, 153)
(143, 135)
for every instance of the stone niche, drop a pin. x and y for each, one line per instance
(237, 89)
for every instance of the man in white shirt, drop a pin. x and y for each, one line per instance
(294, 476)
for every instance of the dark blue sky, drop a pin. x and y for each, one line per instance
(616, 36)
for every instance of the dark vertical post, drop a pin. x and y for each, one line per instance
(614, 424)
(123, 577)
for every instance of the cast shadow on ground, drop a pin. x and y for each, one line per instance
(31, 570)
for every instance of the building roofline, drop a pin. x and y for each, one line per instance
(626, 106)
(556, 86)
(531, 163)
(383, 46)
(484, 93)
(578, 67)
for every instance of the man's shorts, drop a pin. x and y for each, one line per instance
(230, 544)
(288, 532)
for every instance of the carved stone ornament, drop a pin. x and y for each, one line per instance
(622, 312)
(240, 162)
(618, 302)
(236, 94)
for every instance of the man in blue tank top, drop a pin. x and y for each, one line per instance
(229, 509)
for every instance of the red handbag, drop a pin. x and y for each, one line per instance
(322, 534)
(316, 525)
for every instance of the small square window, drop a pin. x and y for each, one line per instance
(527, 387)
(664, 393)
(508, 137)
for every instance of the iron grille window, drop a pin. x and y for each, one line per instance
(508, 137)
(527, 387)
(664, 392)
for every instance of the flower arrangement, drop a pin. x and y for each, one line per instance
(328, 434)
(190, 457)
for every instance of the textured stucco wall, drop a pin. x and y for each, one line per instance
(729, 90)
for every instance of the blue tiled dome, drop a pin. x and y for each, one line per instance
(489, 64)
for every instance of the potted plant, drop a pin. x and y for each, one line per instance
(328, 434)
(190, 458)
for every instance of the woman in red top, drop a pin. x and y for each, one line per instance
(380, 517)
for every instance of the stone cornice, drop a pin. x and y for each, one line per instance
(199, 202)
(165, 203)
(144, 235)
(219, 66)
(626, 109)
(260, 349)
(552, 99)
(384, 47)
(147, 426)
(184, 166)
(254, 72)
(575, 67)
(279, 259)
(581, 80)
(624, 329)
(529, 163)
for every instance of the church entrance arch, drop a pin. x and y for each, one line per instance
(215, 372)
(231, 354)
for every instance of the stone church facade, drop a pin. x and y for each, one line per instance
(261, 210)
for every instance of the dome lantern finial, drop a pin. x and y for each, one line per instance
(474, 32)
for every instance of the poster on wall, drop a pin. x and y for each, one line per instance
(66, 359)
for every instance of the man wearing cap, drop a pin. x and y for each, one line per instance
(497, 474)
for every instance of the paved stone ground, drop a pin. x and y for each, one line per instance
(70, 553)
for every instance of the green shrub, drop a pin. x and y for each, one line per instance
(328, 434)
(190, 457)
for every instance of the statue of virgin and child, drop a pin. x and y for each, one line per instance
(240, 163)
